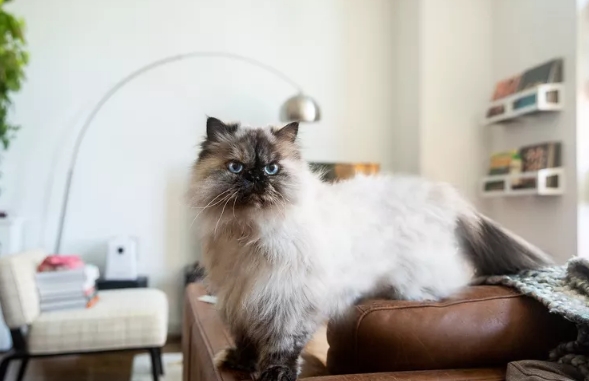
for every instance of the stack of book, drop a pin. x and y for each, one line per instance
(526, 159)
(62, 288)
(548, 72)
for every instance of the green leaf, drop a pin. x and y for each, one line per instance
(13, 59)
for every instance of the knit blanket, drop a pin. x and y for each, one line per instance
(564, 290)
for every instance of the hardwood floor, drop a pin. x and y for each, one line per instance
(100, 367)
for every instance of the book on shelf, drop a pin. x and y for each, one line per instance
(495, 110)
(502, 163)
(530, 158)
(539, 156)
(506, 87)
(548, 72)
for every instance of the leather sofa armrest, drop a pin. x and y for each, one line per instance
(483, 326)
(483, 374)
(203, 337)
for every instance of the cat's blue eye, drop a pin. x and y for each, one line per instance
(235, 167)
(271, 169)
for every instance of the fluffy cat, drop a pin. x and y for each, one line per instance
(284, 251)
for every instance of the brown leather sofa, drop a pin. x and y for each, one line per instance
(469, 337)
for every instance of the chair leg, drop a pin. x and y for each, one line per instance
(154, 364)
(160, 362)
(23, 368)
(4, 366)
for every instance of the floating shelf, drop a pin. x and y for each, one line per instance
(543, 98)
(545, 182)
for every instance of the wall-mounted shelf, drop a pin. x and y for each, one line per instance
(545, 182)
(543, 98)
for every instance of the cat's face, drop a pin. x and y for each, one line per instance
(240, 168)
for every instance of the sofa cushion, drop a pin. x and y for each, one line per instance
(484, 326)
(128, 318)
(18, 288)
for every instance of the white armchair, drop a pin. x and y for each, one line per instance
(128, 319)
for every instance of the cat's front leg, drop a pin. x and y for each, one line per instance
(242, 357)
(280, 356)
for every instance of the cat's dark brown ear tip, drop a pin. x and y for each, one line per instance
(288, 132)
(216, 128)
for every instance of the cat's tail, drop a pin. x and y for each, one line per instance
(493, 250)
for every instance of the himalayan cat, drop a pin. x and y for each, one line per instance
(285, 251)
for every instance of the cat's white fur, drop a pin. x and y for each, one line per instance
(345, 240)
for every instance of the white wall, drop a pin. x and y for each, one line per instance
(405, 143)
(527, 33)
(582, 92)
(133, 166)
(455, 77)
(450, 54)
(443, 77)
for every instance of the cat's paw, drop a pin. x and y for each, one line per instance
(230, 358)
(278, 373)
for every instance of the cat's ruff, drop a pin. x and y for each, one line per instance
(285, 252)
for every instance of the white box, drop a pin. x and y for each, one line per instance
(121, 259)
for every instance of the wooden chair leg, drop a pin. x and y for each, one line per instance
(23, 368)
(160, 362)
(4, 366)
(154, 364)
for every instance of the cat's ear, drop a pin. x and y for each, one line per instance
(288, 132)
(216, 128)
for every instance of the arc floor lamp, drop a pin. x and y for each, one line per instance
(299, 107)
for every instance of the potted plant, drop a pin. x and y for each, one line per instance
(13, 59)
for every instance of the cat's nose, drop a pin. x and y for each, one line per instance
(253, 176)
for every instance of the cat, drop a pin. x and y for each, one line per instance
(285, 251)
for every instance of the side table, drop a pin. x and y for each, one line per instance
(106, 284)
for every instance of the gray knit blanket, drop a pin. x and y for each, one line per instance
(564, 290)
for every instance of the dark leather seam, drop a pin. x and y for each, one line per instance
(377, 307)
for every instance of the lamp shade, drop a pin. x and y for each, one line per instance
(300, 108)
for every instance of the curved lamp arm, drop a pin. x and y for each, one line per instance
(130, 77)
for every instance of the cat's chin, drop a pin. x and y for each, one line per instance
(257, 202)
(261, 205)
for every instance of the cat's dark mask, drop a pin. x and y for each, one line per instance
(248, 167)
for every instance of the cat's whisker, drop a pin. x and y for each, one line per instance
(282, 200)
(212, 202)
(234, 202)
(209, 205)
(219, 195)
(217, 203)
(223, 211)
(224, 200)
